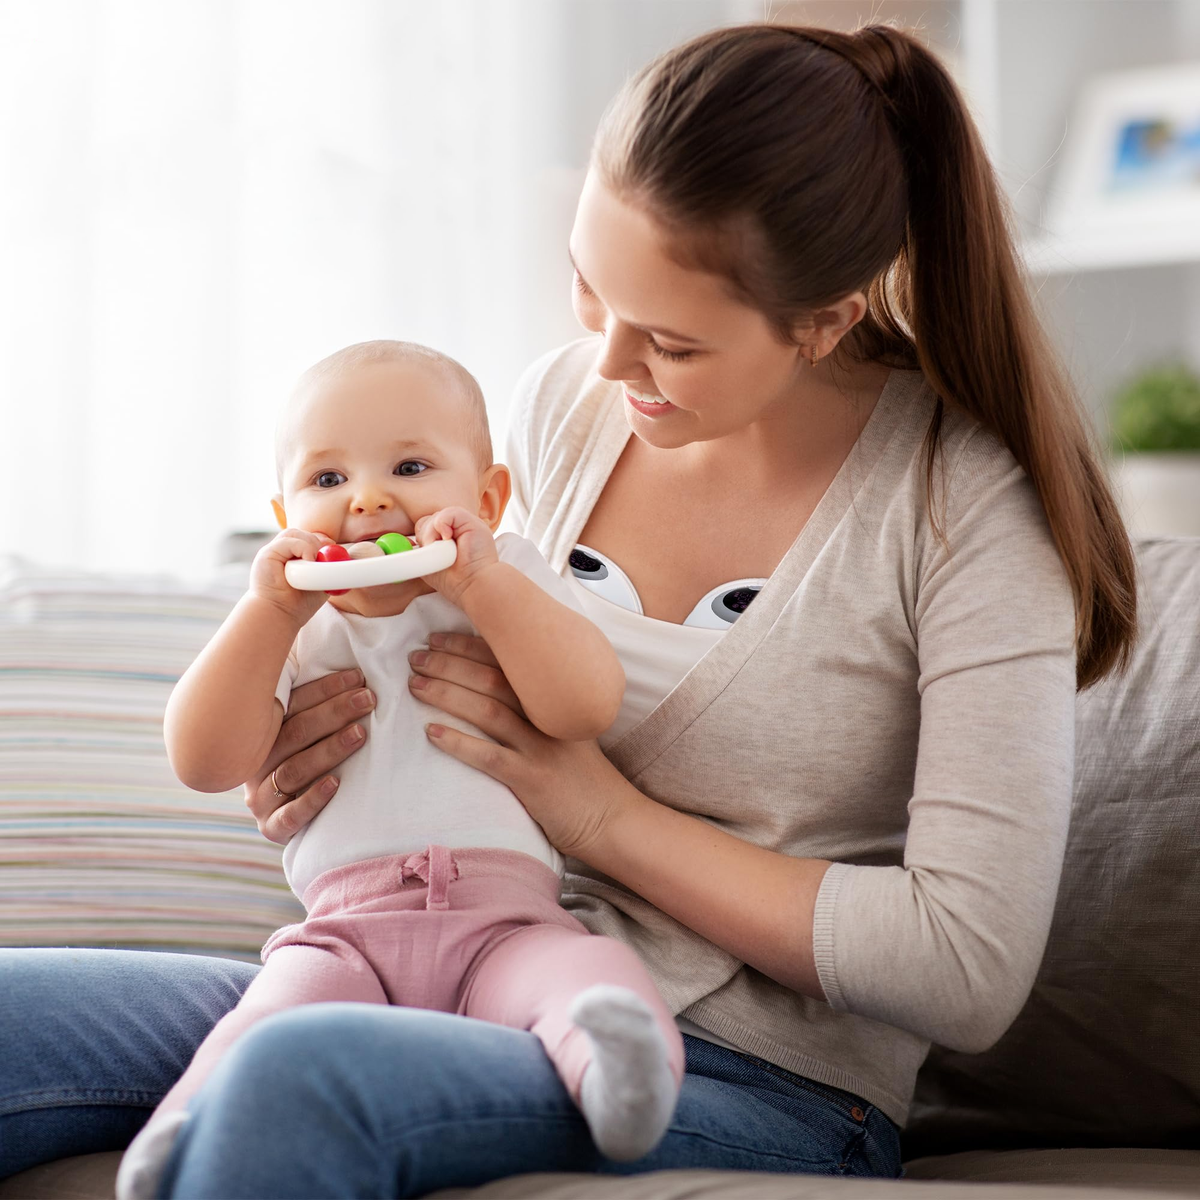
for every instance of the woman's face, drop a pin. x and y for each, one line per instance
(673, 332)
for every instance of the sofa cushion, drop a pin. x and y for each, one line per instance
(102, 846)
(92, 1177)
(1172, 1172)
(1070, 1175)
(1107, 1049)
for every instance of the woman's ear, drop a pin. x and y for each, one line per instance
(497, 488)
(277, 509)
(825, 327)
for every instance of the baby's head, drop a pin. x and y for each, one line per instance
(380, 434)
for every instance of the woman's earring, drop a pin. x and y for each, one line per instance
(814, 354)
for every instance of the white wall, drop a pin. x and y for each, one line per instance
(1109, 324)
(201, 198)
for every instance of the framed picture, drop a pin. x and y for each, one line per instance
(1131, 160)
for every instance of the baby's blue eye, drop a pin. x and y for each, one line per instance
(328, 479)
(409, 462)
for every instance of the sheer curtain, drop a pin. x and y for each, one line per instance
(201, 197)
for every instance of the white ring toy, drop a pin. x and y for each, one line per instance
(307, 576)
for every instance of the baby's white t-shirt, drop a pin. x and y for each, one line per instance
(399, 793)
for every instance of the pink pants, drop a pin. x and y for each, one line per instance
(474, 932)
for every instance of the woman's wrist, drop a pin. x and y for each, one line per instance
(669, 858)
(620, 811)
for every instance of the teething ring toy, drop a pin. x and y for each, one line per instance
(392, 563)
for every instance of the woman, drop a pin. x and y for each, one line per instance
(832, 829)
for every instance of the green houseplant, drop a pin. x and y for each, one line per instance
(1156, 441)
(1159, 410)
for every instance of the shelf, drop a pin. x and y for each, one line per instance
(1112, 251)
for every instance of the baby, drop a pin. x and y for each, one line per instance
(425, 882)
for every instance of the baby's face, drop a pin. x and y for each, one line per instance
(373, 450)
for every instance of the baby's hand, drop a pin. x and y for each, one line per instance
(267, 579)
(476, 548)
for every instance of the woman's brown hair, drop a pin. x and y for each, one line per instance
(804, 164)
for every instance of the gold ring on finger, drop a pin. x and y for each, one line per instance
(279, 794)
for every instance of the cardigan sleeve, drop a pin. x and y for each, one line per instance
(519, 455)
(531, 417)
(519, 459)
(550, 420)
(947, 946)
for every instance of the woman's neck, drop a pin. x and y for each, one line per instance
(800, 438)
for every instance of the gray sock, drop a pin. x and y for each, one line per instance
(142, 1165)
(628, 1092)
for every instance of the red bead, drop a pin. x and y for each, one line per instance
(334, 553)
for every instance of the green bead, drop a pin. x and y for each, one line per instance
(393, 543)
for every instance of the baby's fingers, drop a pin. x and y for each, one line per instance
(297, 543)
(427, 529)
(450, 522)
(316, 540)
(285, 549)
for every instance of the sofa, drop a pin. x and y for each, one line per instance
(1094, 1090)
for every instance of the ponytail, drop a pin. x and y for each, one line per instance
(874, 117)
(979, 342)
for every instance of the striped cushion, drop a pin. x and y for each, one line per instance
(100, 845)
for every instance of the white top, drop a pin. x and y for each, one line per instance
(656, 656)
(900, 705)
(399, 794)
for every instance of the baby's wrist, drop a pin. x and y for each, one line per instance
(267, 607)
(482, 581)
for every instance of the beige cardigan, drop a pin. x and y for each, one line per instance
(903, 712)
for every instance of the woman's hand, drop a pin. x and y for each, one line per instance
(319, 731)
(569, 788)
(590, 811)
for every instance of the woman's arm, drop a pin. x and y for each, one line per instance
(764, 916)
(947, 944)
(590, 811)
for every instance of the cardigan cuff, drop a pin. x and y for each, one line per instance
(823, 950)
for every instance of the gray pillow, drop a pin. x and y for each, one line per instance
(1107, 1049)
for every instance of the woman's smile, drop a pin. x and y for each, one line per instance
(651, 406)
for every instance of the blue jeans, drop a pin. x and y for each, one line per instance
(358, 1100)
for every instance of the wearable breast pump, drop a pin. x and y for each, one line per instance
(718, 609)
